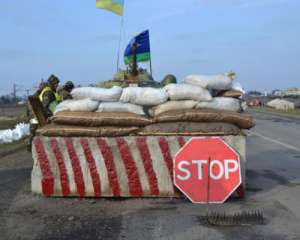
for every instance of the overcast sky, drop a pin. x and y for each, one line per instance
(258, 39)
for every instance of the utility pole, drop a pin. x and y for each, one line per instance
(14, 93)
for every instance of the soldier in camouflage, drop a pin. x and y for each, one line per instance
(65, 91)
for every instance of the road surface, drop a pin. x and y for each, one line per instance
(273, 186)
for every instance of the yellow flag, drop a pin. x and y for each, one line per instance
(116, 6)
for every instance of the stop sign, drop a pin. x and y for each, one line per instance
(207, 170)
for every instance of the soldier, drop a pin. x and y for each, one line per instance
(49, 97)
(65, 91)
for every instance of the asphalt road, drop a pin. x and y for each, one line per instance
(273, 186)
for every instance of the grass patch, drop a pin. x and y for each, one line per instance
(8, 148)
(292, 113)
(10, 123)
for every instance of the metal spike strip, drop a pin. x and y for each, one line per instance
(236, 219)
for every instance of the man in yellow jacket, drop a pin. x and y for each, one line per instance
(49, 96)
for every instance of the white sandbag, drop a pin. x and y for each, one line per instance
(172, 105)
(214, 82)
(146, 96)
(280, 104)
(83, 105)
(222, 103)
(187, 92)
(120, 107)
(98, 94)
(237, 86)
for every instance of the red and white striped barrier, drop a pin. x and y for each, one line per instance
(110, 167)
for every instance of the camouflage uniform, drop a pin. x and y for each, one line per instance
(65, 91)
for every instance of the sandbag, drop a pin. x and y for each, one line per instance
(230, 93)
(144, 96)
(97, 119)
(281, 104)
(54, 130)
(221, 103)
(243, 121)
(120, 107)
(99, 94)
(187, 92)
(214, 82)
(172, 105)
(84, 105)
(191, 128)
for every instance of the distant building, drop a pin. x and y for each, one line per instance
(292, 92)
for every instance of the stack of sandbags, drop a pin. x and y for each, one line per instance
(190, 108)
(281, 104)
(226, 95)
(94, 124)
(199, 122)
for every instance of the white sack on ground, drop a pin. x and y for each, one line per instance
(144, 96)
(84, 105)
(21, 130)
(214, 82)
(280, 104)
(120, 107)
(222, 103)
(172, 105)
(187, 92)
(98, 94)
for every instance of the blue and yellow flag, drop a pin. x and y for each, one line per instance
(143, 51)
(116, 6)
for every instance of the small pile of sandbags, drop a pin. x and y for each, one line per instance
(280, 104)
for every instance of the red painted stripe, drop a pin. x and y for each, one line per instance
(92, 166)
(181, 141)
(76, 167)
(64, 180)
(48, 180)
(165, 150)
(148, 164)
(135, 187)
(110, 166)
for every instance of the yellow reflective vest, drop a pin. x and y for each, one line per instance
(53, 104)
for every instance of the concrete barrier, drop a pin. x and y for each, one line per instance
(111, 167)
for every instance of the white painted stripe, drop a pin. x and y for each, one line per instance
(101, 168)
(120, 168)
(68, 164)
(88, 183)
(165, 183)
(288, 146)
(36, 174)
(53, 166)
(139, 165)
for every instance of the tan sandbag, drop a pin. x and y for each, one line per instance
(243, 121)
(230, 93)
(191, 128)
(172, 105)
(97, 119)
(54, 130)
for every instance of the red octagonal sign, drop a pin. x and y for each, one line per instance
(207, 170)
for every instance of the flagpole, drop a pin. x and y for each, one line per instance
(151, 66)
(120, 39)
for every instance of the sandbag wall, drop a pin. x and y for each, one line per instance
(111, 167)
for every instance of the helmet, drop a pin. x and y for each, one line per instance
(169, 79)
(69, 85)
(53, 80)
